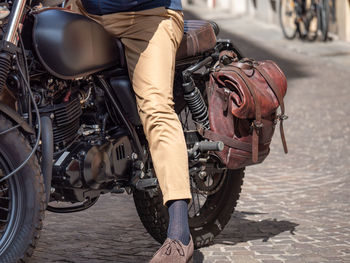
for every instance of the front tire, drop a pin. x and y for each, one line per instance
(22, 198)
(205, 224)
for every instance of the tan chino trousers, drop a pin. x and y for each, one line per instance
(151, 38)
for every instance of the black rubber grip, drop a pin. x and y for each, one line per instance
(205, 146)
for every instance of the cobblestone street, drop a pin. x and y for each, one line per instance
(293, 208)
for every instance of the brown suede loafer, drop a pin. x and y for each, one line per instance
(173, 251)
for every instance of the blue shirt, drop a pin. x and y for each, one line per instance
(103, 7)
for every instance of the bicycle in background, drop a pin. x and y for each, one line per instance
(307, 18)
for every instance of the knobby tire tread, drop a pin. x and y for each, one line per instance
(14, 253)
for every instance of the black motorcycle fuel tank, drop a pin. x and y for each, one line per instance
(70, 45)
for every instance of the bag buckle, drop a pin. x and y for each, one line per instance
(282, 117)
(225, 60)
(257, 124)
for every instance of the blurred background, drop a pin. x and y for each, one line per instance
(267, 11)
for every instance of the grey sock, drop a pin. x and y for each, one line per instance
(178, 221)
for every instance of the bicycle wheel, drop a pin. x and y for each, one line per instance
(288, 18)
(323, 12)
(311, 20)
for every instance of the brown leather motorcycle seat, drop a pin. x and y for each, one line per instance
(199, 36)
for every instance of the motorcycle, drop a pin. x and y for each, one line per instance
(70, 130)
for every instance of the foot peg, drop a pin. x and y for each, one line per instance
(205, 146)
(117, 191)
(145, 184)
(139, 181)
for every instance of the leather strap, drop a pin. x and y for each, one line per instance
(231, 142)
(279, 97)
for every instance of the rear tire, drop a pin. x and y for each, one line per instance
(213, 217)
(22, 198)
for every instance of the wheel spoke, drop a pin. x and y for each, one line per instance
(199, 205)
(194, 206)
(190, 206)
(3, 190)
(205, 196)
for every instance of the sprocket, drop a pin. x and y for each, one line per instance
(209, 180)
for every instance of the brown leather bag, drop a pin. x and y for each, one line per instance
(243, 100)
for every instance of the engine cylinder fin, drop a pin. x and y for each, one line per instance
(68, 113)
(65, 133)
(65, 121)
(5, 63)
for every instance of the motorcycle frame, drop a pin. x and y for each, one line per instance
(9, 46)
(135, 141)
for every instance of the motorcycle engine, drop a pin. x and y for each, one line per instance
(86, 169)
(91, 153)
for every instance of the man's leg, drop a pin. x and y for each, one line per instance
(151, 70)
(151, 38)
(152, 73)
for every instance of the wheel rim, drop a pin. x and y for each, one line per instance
(325, 19)
(288, 18)
(203, 205)
(10, 205)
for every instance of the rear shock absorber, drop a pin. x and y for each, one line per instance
(196, 104)
(5, 63)
(193, 97)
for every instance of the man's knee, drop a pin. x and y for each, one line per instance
(160, 119)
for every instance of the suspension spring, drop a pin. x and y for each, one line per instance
(196, 104)
(5, 63)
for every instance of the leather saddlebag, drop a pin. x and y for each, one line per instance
(243, 100)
